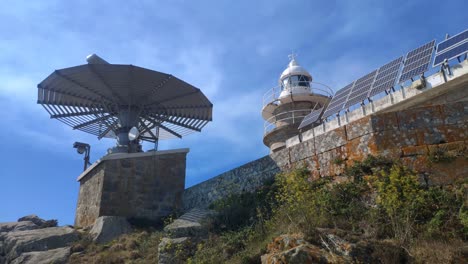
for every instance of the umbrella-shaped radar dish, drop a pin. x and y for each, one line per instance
(112, 100)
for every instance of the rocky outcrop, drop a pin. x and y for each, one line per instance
(39, 221)
(17, 226)
(183, 235)
(191, 224)
(107, 228)
(30, 241)
(294, 249)
(176, 250)
(331, 246)
(15, 243)
(55, 256)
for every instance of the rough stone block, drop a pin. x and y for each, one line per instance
(359, 148)
(418, 118)
(455, 113)
(456, 132)
(330, 140)
(414, 150)
(107, 228)
(302, 151)
(331, 163)
(281, 157)
(384, 121)
(448, 172)
(359, 128)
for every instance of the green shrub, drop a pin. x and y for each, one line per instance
(240, 210)
(401, 197)
(369, 166)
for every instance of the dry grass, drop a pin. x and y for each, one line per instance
(440, 252)
(137, 247)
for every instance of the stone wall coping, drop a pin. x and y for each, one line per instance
(401, 99)
(115, 156)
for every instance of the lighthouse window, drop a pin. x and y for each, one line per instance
(303, 81)
(294, 80)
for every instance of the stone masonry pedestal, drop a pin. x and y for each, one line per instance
(139, 186)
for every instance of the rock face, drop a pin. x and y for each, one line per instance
(17, 226)
(32, 218)
(55, 256)
(329, 247)
(106, 228)
(44, 239)
(176, 250)
(38, 221)
(191, 224)
(294, 249)
(183, 235)
(31, 241)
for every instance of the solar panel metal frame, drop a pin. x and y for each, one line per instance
(361, 89)
(417, 61)
(452, 53)
(311, 118)
(386, 77)
(446, 44)
(338, 101)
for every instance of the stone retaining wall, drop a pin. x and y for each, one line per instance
(245, 178)
(412, 136)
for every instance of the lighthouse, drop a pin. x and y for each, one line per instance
(286, 105)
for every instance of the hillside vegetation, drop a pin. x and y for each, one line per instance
(380, 202)
(380, 212)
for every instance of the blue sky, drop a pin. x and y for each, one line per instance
(233, 50)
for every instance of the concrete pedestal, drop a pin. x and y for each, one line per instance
(140, 186)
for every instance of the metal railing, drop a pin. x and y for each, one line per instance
(285, 118)
(273, 94)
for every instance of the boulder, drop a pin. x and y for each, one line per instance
(55, 256)
(33, 218)
(41, 223)
(17, 226)
(107, 228)
(16, 243)
(191, 224)
(175, 250)
(294, 249)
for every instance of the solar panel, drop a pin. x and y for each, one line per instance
(450, 42)
(311, 118)
(386, 77)
(337, 102)
(417, 61)
(361, 89)
(451, 48)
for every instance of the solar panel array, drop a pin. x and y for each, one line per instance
(451, 48)
(337, 102)
(311, 118)
(386, 77)
(361, 89)
(417, 61)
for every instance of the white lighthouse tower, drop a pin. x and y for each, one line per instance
(286, 105)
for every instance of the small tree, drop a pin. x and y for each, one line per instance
(401, 196)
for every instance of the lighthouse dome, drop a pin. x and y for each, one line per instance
(294, 69)
(294, 79)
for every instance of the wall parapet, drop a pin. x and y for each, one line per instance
(246, 178)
